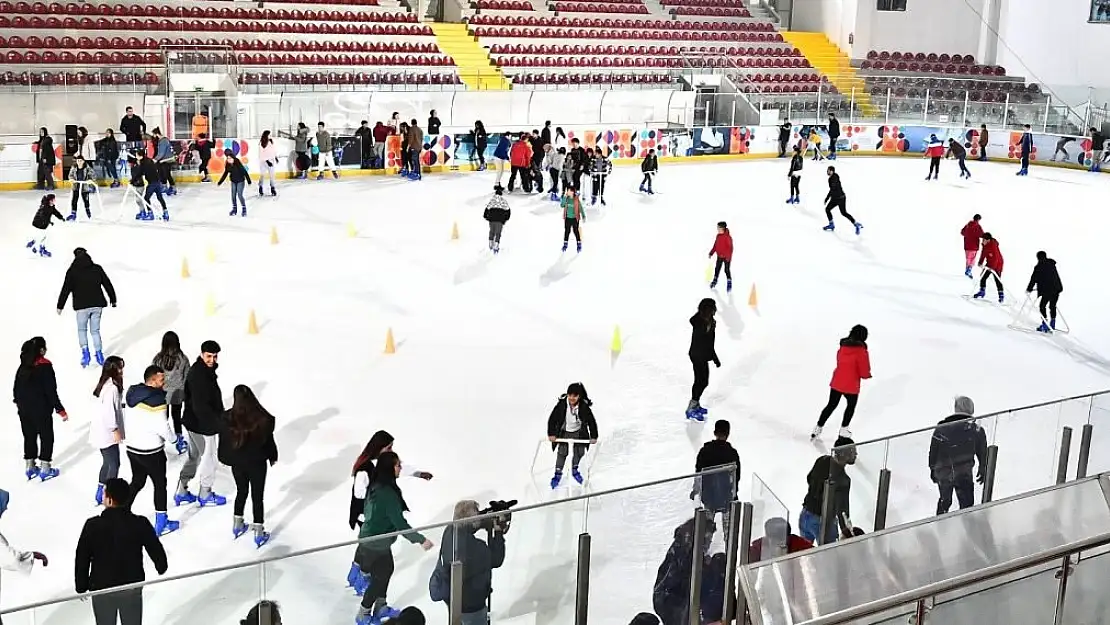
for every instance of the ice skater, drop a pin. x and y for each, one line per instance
(837, 199)
(702, 352)
(497, 213)
(87, 282)
(501, 154)
(83, 179)
(1062, 148)
(1098, 142)
(972, 233)
(649, 167)
(934, 151)
(722, 247)
(247, 446)
(166, 159)
(35, 393)
(269, 158)
(204, 407)
(107, 431)
(991, 258)
(240, 178)
(326, 158)
(815, 142)
(1046, 280)
(572, 217)
(852, 365)
(571, 418)
(202, 145)
(40, 222)
(1026, 150)
(795, 176)
(175, 364)
(145, 173)
(959, 152)
(600, 168)
(553, 163)
(148, 432)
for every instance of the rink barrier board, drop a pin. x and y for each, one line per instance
(452, 153)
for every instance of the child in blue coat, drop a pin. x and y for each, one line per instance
(501, 154)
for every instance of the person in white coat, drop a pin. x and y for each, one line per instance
(148, 433)
(106, 430)
(12, 559)
(269, 157)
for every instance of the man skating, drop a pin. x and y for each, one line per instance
(837, 199)
(204, 406)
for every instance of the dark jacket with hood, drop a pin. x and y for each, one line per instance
(784, 132)
(957, 443)
(556, 421)
(1046, 278)
(834, 128)
(478, 558)
(110, 551)
(702, 338)
(836, 191)
(823, 469)
(237, 171)
(258, 449)
(35, 392)
(107, 148)
(670, 596)
(132, 128)
(717, 490)
(45, 155)
(649, 164)
(41, 220)
(204, 405)
(87, 282)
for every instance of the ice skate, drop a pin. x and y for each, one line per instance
(320, 176)
(845, 432)
(115, 184)
(148, 215)
(1001, 297)
(88, 213)
(967, 272)
(46, 472)
(244, 214)
(693, 411)
(555, 479)
(206, 178)
(859, 227)
(273, 192)
(1052, 324)
(31, 470)
(352, 575)
(789, 200)
(99, 357)
(234, 212)
(261, 537)
(361, 582)
(564, 246)
(579, 247)
(31, 245)
(980, 295)
(211, 499)
(99, 497)
(165, 215)
(554, 197)
(260, 193)
(603, 202)
(816, 433)
(642, 189)
(183, 496)
(180, 445)
(162, 524)
(713, 284)
(576, 475)
(85, 357)
(45, 253)
(496, 248)
(830, 228)
(1044, 328)
(335, 174)
(72, 215)
(728, 286)
(238, 527)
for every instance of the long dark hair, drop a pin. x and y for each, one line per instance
(247, 415)
(385, 475)
(112, 370)
(478, 125)
(171, 352)
(265, 140)
(29, 353)
(379, 441)
(559, 132)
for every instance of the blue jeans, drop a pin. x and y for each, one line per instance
(110, 169)
(810, 526)
(237, 189)
(475, 618)
(89, 318)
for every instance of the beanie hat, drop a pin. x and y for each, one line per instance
(645, 618)
(210, 347)
(964, 406)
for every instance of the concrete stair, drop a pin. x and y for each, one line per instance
(472, 62)
(828, 59)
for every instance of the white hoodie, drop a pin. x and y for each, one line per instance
(269, 153)
(107, 417)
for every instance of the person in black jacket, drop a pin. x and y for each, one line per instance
(110, 554)
(204, 407)
(481, 140)
(545, 134)
(670, 596)
(834, 134)
(571, 418)
(433, 123)
(957, 443)
(45, 159)
(478, 561)
(240, 178)
(825, 468)
(35, 394)
(365, 137)
(133, 128)
(203, 147)
(649, 167)
(497, 213)
(784, 136)
(719, 489)
(144, 172)
(837, 199)
(40, 222)
(577, 158)
(957, 151)
(247, 446)
(795, 176)
(1049, 287)
(107, 151)
(702, 352)
(88, 282)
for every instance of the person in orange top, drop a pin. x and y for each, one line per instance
(852, 365)
(200, 124)
(520, 158)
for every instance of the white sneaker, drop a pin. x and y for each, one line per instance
(845, 432)
(815, 433)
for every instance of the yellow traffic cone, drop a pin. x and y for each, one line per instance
(210, 305)
(708, 272)
(753, 300)
(615, 346)
(351, 230)
(455, 231)
(252, 324)
(273, 236)
(210, 254)
(390, 348)
(184, 267)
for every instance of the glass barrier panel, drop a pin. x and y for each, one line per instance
(770, 520)
(1085, 599)
(1099, 419)
(1018, 114)
(870, 459)
(1028, 442)
(632, 534)
(1026, 598)
(945, 112)
(915, 485)
(907, 110)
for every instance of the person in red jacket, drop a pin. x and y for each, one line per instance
(852, 365)
(520, 158)
(971, 233)
(777, 541)
(722, 247)
(381, 136)
(992, 259)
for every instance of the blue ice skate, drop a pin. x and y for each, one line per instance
(260, 539)
(183, 498)
(45, 253)
(162, 524)
(1052, 324)
(555, 479)
(967, 272)
(85, 357)
(165, 215)
(99, 357)
(1001, 297)
(31, 245)
(694, 415)
(576, 475)
(789, 200)
(72, 216)
(46, 472)
(564, 246)
(352, 575)
(728, 287)
(859, 227)
(99, 494)
(212, 499)
(554, 197)
(1044, 328)
(238, 527)
(114, 185)
(234, 212)
(980, 295)
(32, 470)
(642, 189)
(180, 445)
(829, 228)
(593, 200)
(361, 583)
(713, 283)
(579, 247)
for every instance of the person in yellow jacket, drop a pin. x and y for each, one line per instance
(815, 141)
(572, 216)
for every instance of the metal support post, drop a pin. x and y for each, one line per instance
(882, 499)
(1084, 450)
(967, 107)
(1006, 111)
(1062, 590)
(925, 109)
(852, 108)
(456, 590)
(992, 466)
(827, 512)
(1065, 452)
(582, 593)
(1047, 108)
(739, 536)
(820, 88)
(887, 114)
(700, 523)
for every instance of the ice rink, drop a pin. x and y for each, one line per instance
(486, 344)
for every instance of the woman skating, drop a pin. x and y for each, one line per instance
(247, 446)
(175, 364)
(36, 397)
(852, 365)
(269, 157)
(106, 431)
(497, 213)
(702, 352)
(572, 217)
(384, 513)
(571, 418)
(87, 282)
(481, 140)
(795, 176)
(240, 178)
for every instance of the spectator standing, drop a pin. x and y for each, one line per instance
(957, 443)
(984, 139)
(1098, 144)
(110, 554)
(88, 283)
(478, 561)
(381, 136)
(406, 159)
(247, 446)
(545, 134)
(203, 146)
(85, 145)
(204, 406)
(1026, 147)
(326, 159)
(827, 467)
(45, 159)
(106, 431)
(133, 128)
(395, 122)
(300, 146)
(416, 143)
(671, 593)
(175, 364)
(579, 162)
(165, 158)
(834, 135)
(12, 559)
(433, 123)
(365, 144)
(784, 136)
(148, 433)
(718, 490)
(520, 158)
(108, 151)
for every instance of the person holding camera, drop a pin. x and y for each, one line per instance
(571, 418)
(478, 561)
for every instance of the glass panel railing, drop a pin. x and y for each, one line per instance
(1085, 597)
(772, 524)
(1099, 419)
(1028, 443)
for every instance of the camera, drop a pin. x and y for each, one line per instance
(500, 522)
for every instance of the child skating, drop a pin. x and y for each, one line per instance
(722, 247)
(972, 232)
(572, 217)
(795, 176)
(240, 178)
(600, 168)
(815, 142)
(497, 213)
(649, 166)
(42, 221)
(991, 259)
(83, 179)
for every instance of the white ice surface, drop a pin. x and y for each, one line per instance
(486, 344)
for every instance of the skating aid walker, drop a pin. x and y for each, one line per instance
(1028, 318)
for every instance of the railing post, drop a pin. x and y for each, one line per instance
(1084, 450)
(1065, 451)
(852, 108)
(881, 501)
(582, 594)
(925, 109)
(700, 521)
(826, 512)
(887, 115)
(739, 537)
(1062, 590)
(820, 88)
(456, 589)
(1006, 111)
(1047, 108)
(967, 107)
(992, 466)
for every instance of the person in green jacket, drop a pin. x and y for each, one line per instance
(384, 514)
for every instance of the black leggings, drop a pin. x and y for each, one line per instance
(701, 378)
(598, 185)
(727, 264)
(175, 415)
(203, 168)
(554, 173)
(152, 466)
(38, 437)
(1048, 306)
(963, 166)
(109, 463)
(480, 152)
(795, 186)
(842, 204)
(570, 224)
(934, 165)
(378, 564)
(647, 180)
(250, 478)
(165, 172)
(78, 190)
(834, 401)
(987, 273)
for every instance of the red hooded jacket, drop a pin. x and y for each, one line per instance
(381, 132)
(722, 246)
(972, 232)
(852, 365)
(991, 256)
(520, 155)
